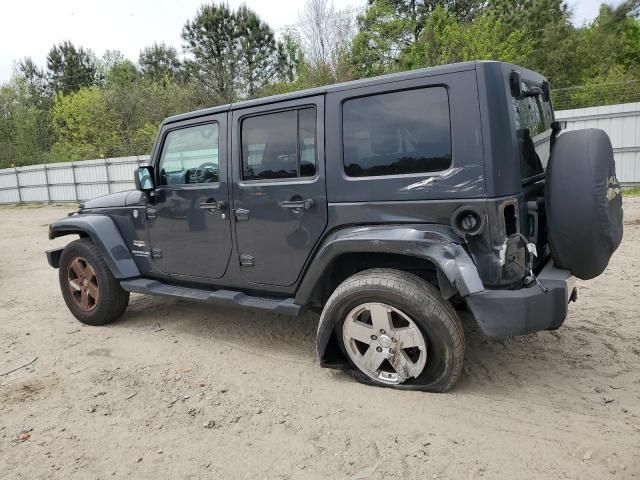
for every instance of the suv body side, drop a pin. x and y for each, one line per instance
(483, 175)
(384, 202)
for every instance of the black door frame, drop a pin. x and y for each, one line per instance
(236, 183)
(222, 119)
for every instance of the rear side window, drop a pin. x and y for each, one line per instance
(397, 133)
(279, 145)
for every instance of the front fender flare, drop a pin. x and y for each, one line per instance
(435, 243)
(105, 235)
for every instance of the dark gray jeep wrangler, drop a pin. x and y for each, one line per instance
(388, 204)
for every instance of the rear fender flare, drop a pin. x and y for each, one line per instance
(105, 235)
(436, 243)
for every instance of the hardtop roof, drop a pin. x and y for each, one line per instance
(366, 82)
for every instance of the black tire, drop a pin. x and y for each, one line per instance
(583, 203)
(435, 317)
(112, 299)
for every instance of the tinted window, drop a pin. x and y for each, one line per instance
(533, 119)
(190, 155)
(397, 133)
(279, 145)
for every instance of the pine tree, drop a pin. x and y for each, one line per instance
(71, 68)
(159, 62)
(235, 53)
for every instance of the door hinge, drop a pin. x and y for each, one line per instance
(241, 214)
(156, 253)
(247, 260)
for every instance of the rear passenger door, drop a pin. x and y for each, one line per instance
(279, 198)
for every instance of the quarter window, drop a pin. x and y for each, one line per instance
(397, 133)
(533, 118)
(190, 155)
(279, 145)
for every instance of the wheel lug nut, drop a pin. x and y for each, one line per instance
(373, 337)
(382, 332)
(392, 351)
(393, 339)
(378, 349)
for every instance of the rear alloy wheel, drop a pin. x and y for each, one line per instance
(384, 343)
(396, 330)
(90, 290)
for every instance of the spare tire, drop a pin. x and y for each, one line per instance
(583, 202)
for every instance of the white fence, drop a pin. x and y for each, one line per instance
(622, 123)
(78, 181)
(68, 181)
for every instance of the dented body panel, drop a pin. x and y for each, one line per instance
(436, 243)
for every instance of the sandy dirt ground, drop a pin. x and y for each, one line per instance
(182, 390)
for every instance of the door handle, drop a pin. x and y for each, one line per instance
(300, 204)
(212, 205)
(151, 213)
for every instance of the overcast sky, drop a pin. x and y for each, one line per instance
(31, 27)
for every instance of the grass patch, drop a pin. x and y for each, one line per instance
(631, 192)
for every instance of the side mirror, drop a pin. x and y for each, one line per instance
(515, 85)
(546, 91)
(144, 179)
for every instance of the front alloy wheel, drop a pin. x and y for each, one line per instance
(83, 284)
(94, 296)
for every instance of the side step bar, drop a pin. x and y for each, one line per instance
(222, 297)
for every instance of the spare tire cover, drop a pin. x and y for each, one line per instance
(583, 202)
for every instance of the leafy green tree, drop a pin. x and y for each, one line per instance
(547, 24)
(160, 61)
(388, 28)
(144, 138)
(71, 68)
(611, 42)
(7, 126)
(84, 125)
(616, 86)
(447, 40)
(115, 67)
(25, 133)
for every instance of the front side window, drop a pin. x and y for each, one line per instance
(279, 145)
(190, 155)
(397, 133)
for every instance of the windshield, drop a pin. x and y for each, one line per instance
(533, 118)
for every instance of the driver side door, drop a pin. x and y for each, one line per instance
(188, 223)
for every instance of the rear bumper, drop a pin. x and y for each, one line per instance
(502, 313)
